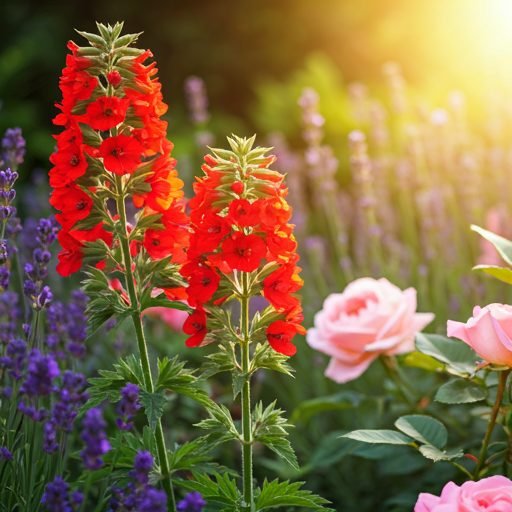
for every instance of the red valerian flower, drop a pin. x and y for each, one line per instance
(195, 325)
(73, 202)
(275, 211)
(158, 243)
(70, 258)
(243, 252)
(78, 85)
(105, 113)
(279, 336)
(281, 244)
(202, 285)
(243, 213)
(279, 286)
(208, 236)
(121, 154)
(165, 186)
(69, 163)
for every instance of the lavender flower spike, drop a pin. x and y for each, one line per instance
(193, 502)
(95, 439)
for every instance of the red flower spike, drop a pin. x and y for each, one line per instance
(121, 154)
(195, 325)
(243, 252)
(105, 113)
(114, 78)
(279, 335)
(234, 233)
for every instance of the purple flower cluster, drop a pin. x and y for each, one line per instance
(57, 497)
(37, 271)
(67, 323)
(128, 406)
(193, 502)
(13, 147)
(71, 396)
(7, 195)
(95, 439)
(10, 314)
(139, 496)
(42, 369)
(15, 359)
(5, 454)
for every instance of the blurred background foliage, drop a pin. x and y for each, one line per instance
(256, 57)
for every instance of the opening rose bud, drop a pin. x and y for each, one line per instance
(488, 332)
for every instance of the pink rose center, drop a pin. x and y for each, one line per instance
(355, 304)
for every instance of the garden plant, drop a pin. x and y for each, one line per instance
(105, 409)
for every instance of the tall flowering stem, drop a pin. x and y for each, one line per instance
(114, 147)
(241, 246)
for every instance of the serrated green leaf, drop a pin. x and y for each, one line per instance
(284, 494)
(153, 404)
(424, 429)
(239, 379)
(460, 391)
(379, 437)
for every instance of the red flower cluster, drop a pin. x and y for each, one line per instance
(110, 112)
(239, 223)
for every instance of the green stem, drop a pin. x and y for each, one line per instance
(143, 349)
(33, 330)
(246, 400)
(483, 452)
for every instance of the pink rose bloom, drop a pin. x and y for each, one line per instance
(371, 317)
(488, 333)
(493, 494)
(174, 318)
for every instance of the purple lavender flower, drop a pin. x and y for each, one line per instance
(41, 297)
(13, 146)
(10, 313)
(56, 496)
(152, 500)
(41, 372)
(193, 502)
(128, 406)
(50, 434)
(5, 453)
(16, 358)
(142, 465)
(71, 396)
(195, 90)
(67, 322)
(5, 275)
(31, 412)
(95, 439)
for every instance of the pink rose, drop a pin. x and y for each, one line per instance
(371, 317)
(488, 333)
(493, 494)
